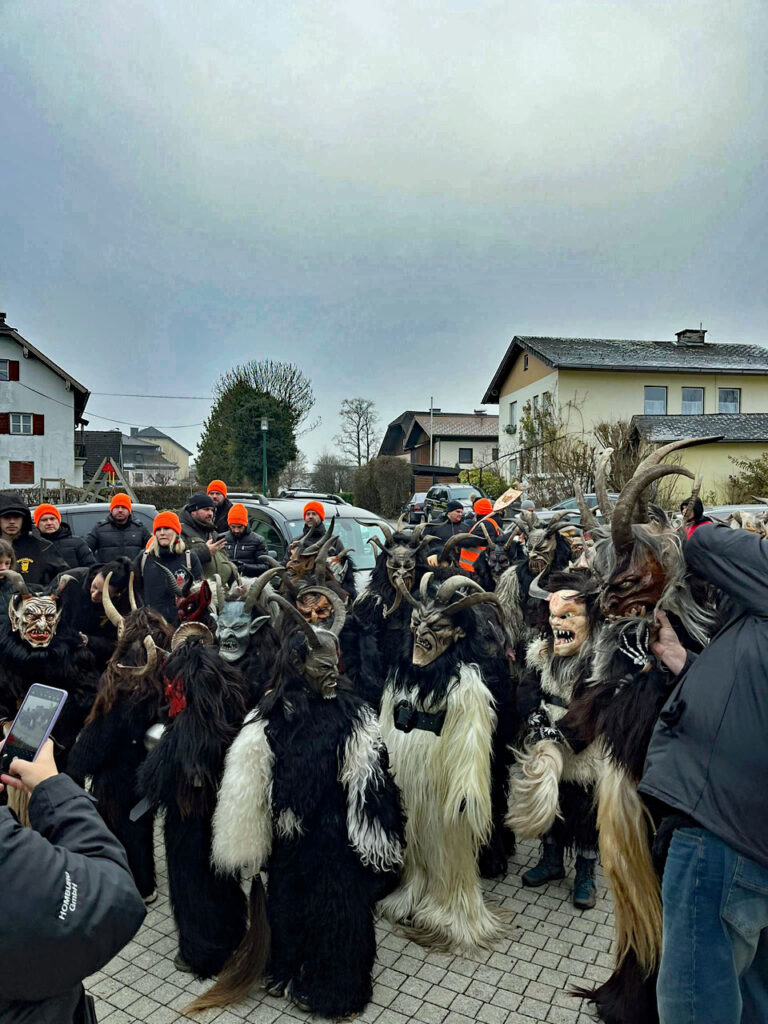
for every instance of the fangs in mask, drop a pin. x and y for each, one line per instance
(568, 622)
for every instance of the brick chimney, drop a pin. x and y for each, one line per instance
(690, 337)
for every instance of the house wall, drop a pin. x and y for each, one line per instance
(53, 452)
(713, 463)
(521, 386)
(447, 452)
(174, 453)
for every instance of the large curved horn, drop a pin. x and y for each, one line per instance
(151, 663)
(472, 599)
(424, 586)
(448, 588)
(131, 594)
(601, 484)
(384, 527)
(175, 586)
(588, 520)
(339, 611)
(468, 539)
(418, 530)
(315, 547)
(509, 540)
(404, 592)
(110, 611)
(557, 523)
(257, 587)
(16, 580)
(536, 590)
(400, 523)
(298, 618)
(621, 524)
(654, 459)
(191, 631)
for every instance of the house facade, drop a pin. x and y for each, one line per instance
(141, 461)
(440, 445)
(41, 405)
(594, 380)
(174, 453)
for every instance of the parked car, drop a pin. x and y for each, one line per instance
(571, 504)
(82, 518)
(334, 499)
(723, 512)
(413, 509)
(279, 521)
(438, 497)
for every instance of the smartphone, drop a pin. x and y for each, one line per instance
(33, 724)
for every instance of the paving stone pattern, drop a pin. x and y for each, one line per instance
(551, 948)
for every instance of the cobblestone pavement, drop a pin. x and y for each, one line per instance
(551, 948)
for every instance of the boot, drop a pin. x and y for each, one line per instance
(584, 893)
(549, 868)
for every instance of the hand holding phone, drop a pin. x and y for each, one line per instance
(28, 774)
(30, 729)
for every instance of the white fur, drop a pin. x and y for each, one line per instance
(242, 821)
(361, 770)
(289, 824)
(534, 789)
(446, 785)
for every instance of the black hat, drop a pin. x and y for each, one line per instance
(453, 506)
(198, 501)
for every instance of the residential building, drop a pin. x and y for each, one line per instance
(41, 406)
(596, 380)
(173, 451)
(441, 444)
(141, 460)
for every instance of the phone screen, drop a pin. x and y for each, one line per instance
(34, 721)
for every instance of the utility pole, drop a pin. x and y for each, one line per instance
(431, 430)
(264, 428)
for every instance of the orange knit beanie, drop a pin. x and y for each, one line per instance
(46, 510)
(237, 516)
(120, 499)
(314, 506)
(217, 485)
(483, 507)
(169, 519)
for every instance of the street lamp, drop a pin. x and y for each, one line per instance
(264, 429)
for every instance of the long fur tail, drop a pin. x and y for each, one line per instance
(534, 790)
(247, 964)
(625, 851)
(628, 997)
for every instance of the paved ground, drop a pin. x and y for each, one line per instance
(526, 978)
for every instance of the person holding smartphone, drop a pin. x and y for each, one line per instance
(69, 901)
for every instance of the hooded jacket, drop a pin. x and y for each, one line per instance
(69, 904)
(708, 756)
(110, 539)
(70, 549)
(196, 536)
(37, 560)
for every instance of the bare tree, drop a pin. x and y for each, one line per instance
(359, 436)
(295, 474)
(331, 474)
(283, 381)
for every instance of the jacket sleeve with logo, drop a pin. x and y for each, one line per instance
(69, 901)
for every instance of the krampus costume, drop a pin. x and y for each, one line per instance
(379, 623)
(552, 789)
(208, 700)
(619, 706)
(110, 748)
(40, 643)
(438, 719)
(245, 630)
(307, 795)
(317, 560)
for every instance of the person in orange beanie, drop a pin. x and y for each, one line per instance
(118, 534)
(166, 553)
(246, 549)
(71, 550)
(222, 506)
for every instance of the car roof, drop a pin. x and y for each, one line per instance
(292, 509)
(103, 506)
(727, 509)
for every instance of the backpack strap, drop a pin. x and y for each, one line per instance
(144, 557)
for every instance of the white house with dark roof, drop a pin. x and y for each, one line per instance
(595, 380)
(442, 444)
(41, 405)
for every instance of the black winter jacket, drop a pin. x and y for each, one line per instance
(37, 560)
(247, 552)
(443, 531)
(69, 904)
(70, 549)
(708, 756)
(157, 592)
(220, 514)
(109, 539)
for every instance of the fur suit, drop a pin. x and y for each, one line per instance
(307, 795)
(208, 701)
(110, 748)
(444, 767)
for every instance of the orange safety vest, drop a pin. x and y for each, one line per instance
(468, 556)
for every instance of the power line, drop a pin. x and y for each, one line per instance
(110, 419)
(121, 394)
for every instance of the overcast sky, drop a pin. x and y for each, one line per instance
(383, 193)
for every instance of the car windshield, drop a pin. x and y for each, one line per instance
(465, 492)
(352, 535)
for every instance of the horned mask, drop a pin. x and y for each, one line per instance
(33, 616)
(402, 550)
(320, 666)
(236, 625)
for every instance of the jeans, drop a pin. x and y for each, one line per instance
(714, 961)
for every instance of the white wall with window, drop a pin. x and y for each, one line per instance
(37, 421)
(729, 400)
(692, 401)
(655, 400)
(467, 454)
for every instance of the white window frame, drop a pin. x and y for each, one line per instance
(699, 411)
(719, 399)
(659, 387)
(22, 419)
(5, 369)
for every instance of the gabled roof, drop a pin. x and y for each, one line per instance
(741, 426)
(81, 393)
(100, 445)
(625, 355)
(453, 425)
(154, 432)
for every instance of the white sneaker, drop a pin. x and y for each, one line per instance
(148, 900)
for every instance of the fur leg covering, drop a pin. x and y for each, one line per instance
(625, 851)
(628, 997)
(534, 788)
(209, 909)
(446, 785)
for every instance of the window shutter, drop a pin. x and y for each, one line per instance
(13, 369)
(5, 423)
(38, 423)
